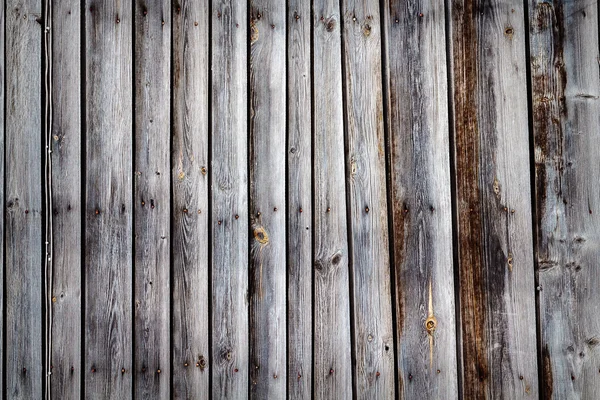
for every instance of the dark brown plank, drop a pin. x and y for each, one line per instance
(108, 196)
(420, 198)
(152, 211)
(566, 122)
(229, 184)
(23, 215)
(189, 166)
(332, 368)
(299, 175)
(491, 143)
(67, 168)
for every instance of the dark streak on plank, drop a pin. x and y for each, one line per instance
(190, 175)
(108, 208)
(151, 205)
(66, 200)
(420, 193)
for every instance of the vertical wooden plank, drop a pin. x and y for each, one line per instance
(152, 211)
(267, 199)
(23, 236)
(66, 200)
(566, 122)
(108, 194)
(299, 176)
(417, 99)
(493, 200)
(366, 183)
(2, 188)
(229, 194)
(190, 200)
(332, 372)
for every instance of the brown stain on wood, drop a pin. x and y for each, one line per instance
(548, 381)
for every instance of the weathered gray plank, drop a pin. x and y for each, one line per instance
(420, 198)
(23, 218)
(152, 211)
(366, 184)
(332, 372)
(299, 239)
(2, 191)
(108, 196)
(229, 194)
(566, 123)
(493, 200)
(267, 176)
(66, 200)
(189, 165)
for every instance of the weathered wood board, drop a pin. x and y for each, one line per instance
(421, 209)
(493, 200)
(2, 187)
(565, 93)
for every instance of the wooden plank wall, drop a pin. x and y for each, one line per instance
(324, 198)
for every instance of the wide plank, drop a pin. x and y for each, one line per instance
(421, 209)
(565, 95)
(493, 204)
(108, 199)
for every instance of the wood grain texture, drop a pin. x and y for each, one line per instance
(108, 196)
(267, 176)
(189, 163)
(152, 211)
(299, 175)
(421, 198)
(2, 188)
(23, 215)
(229, 184)
(332, 369)
(566, 122)
(66, 200)
(497, 310)
(366, 185)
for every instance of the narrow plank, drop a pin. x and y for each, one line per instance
(332, 369)
(2, 188)
(108, 197)
(23, 216)
(566, 123)
(189, 166)
(229, 196)
(66, 200)
(365, 159)
(496, 279)
(299, 176)
(417, 100)
(152, 211)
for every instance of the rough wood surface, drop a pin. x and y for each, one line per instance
(67, 168)
(190, 169)
(23, 214)
(267, 176)
(2, 188)
(491, 143)
(151, 204)
(417, 121)
(367, 195)
(332, 369)
(299, 175)
(229, 199)
(566, 126)
(108, 197)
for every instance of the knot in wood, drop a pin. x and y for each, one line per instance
(430, 325)
(261, 235)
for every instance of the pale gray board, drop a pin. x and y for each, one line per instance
(421, 214)
(493, 200)
(151, 199)
(67, 167)
(190, 176)
(299, 175)
(229, 199)
(108, 196)
(2, 189)
(566, 126)
(373, 344)
(267, 160)
(332, 367)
